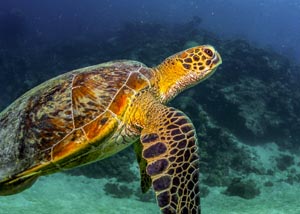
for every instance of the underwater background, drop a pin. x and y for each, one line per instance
(247, 115)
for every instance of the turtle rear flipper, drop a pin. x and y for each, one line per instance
(169, 147)
(16, 185)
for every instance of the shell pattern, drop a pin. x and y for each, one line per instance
(81, 110)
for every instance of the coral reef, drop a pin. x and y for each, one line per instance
(284, 162)
(252, 97)
(243, 188)
(118, 190)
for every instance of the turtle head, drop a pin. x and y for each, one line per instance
(185, 69)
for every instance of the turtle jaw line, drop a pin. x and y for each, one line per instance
(217, 60)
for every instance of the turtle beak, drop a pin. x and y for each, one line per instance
(217, 60)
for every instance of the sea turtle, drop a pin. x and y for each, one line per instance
(91, 113)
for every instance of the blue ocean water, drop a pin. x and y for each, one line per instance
(246, 115)
(273, 23)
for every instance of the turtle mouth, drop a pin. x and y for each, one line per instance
(217, 60)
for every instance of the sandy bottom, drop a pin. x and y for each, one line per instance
(64, 194)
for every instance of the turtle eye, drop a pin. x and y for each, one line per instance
(208, 52)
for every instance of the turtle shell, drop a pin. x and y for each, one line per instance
(73, 119)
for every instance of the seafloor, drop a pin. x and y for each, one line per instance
(246, 116)
(66, 194)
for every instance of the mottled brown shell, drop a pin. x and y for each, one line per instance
(63, 119)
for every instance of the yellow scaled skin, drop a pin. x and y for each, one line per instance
(91, 113)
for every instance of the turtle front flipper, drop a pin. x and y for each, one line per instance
(170, 149)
